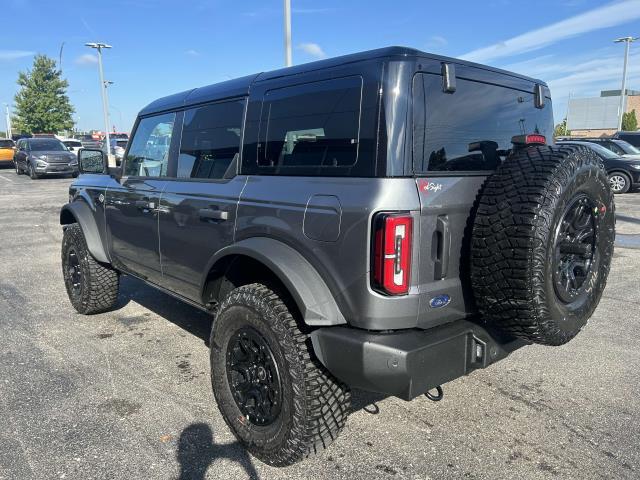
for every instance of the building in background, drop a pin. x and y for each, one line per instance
(598, 116)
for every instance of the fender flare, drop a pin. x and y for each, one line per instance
(85, 217)
(311, 294)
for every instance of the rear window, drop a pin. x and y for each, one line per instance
(311, 129)
(470, 130)
(6, 143)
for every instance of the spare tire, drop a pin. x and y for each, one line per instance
(542, 243)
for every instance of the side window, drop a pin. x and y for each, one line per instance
(149, 152)
(311, 129)
(613, 147)
(210, 144)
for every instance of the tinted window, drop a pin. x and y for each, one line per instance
(149, 152)
(311, 128)
(6, 143)
(46, 145)
(73, 144)
(211, 140)
(613, 147)
(626, 147)
(471, 129)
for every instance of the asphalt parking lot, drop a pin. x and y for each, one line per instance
(126, 394)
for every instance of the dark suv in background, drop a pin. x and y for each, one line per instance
(389, 220)
(631, 137)
(39, 157)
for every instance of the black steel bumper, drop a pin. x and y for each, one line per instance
(407, 363)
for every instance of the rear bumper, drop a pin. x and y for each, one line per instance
(408, 363)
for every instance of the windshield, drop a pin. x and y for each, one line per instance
(73, 144)
(47, 145)
(627, 147)
(6, 143)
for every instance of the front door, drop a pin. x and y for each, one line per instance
(132, 206)
(198, 208)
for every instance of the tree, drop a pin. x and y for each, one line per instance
(41, 104)
(561, 129)
(629, 121)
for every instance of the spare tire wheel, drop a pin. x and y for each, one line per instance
(542, 243)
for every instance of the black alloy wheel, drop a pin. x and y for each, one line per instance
(253, 376)
(575, 248)
(74, 273)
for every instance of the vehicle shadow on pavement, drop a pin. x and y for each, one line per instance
(181, 314)
(197, 451)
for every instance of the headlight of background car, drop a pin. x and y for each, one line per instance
(636, 166)
(41, 163)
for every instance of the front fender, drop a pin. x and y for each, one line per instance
(304, 283)
(79, 212)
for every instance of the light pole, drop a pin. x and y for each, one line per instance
(287, 33)
(103, 90)
(7, 120)
(627, 41)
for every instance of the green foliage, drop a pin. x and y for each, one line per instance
(629, 121)
(561, 129)
(41, 104)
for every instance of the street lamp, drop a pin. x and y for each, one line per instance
(287, 33)
(103, 90)
(7, 120)
(627, 41)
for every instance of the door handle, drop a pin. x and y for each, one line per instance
(211, 214)
(144, 204)
(442, 237)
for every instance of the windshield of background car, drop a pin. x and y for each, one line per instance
(6, 144)
(470, 130)
(47, 145)
(627, 147)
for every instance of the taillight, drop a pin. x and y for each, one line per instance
(392, 253)
(531, 139)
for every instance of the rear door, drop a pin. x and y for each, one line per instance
(198, 206)
(132, 205)
(458, 139)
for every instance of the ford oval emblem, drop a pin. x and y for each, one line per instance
(440, 301)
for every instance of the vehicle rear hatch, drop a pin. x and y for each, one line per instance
(458, 138)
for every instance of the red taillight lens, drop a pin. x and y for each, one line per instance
(532, 139)
(392, 253)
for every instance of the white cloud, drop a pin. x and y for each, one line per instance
(437, 41)
(14, 54)
(312, 49)
(612, 14)
(192, 53)
(86, 59)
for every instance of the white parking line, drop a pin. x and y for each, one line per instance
(7, 179)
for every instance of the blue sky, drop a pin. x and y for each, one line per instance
(161, 46)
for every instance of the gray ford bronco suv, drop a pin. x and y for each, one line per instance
(389, 220)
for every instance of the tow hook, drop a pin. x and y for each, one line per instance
(437, 397)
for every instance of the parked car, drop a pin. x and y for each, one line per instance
(623, 172)
(44, 156)
(374, 221)
(72, 144)
(631, 137)
(88, 141)
(619, 147)
(118, 147)
(7, 150)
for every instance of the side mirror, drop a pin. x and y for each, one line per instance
(91, 161)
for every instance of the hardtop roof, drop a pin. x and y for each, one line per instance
(241, 86)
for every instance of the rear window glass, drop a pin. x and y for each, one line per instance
(312, 128)
(470, 130)
(6, 143)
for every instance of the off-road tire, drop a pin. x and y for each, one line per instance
(314, 405)
(99, 283)
(512, 245)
